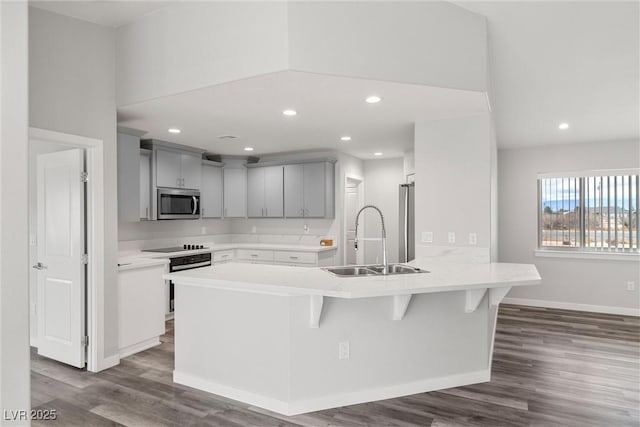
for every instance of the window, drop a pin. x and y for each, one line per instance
(590, 211)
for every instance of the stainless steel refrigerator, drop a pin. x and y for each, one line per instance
(407, 222)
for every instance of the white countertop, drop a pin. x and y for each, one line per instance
(285, 280)
(228, 246)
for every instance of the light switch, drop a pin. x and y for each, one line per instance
(473, 239)
(452, 237)
(427, 237)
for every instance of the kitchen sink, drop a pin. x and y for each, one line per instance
(372, 270)
(355, 270)
(397, 269)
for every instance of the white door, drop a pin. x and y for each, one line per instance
(211, 194)
(61, 246)
(273, 192)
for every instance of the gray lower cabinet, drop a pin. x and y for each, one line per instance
(235, 192)
(211, 192)
(265, 192)
(309, 190)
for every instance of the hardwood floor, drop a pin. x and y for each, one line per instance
(551, 367)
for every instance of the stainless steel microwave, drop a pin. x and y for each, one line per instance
(178, 204)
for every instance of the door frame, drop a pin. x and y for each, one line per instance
(94, 201)
(348, 177)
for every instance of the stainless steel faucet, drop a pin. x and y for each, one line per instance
(385, 264)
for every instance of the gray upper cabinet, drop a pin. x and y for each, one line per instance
(145, 184)
(128, 177)
(309, 190)
(265, 192)
(293, 191)
(235, 192)
(178, 170)
(211, 192)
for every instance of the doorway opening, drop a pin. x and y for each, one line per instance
(353, 201)
(66, 247)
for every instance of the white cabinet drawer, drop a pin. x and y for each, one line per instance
(295, 257)
(254, 255)
(222, 256)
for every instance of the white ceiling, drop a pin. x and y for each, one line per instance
(108, 13)
(554, 61)
(328, 107)
(551, 62)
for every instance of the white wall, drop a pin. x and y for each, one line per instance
(148, 230)
(72, 90)
(189, 45)
(595, 283)
(382, 179)
(433, 43)
(453, 187)
(14, 299)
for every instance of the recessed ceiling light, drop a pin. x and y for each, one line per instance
(289, 112)
(377, 154)
(373, 99)
(345, 138)
(563, 126)
(248, 148)
(174, 130)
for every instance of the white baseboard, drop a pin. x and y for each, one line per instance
(108, 362)
(573, 306)
(332, 401)
(138, 347)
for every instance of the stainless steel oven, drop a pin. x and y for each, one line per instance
(178, 204)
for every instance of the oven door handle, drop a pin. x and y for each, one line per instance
(190, 266)
(195, 205)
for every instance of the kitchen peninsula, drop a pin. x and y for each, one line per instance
(295, 340)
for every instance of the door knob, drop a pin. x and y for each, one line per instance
(40, 266)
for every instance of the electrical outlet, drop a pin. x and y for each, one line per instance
(473, 239)
(427, 237)
(33, 240)
(631, 285)
(254, 229)
(343, 350)
(306, 229)
(452, 237)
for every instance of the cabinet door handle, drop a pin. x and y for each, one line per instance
(146, 212)
(293, 257)
(254, 255)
